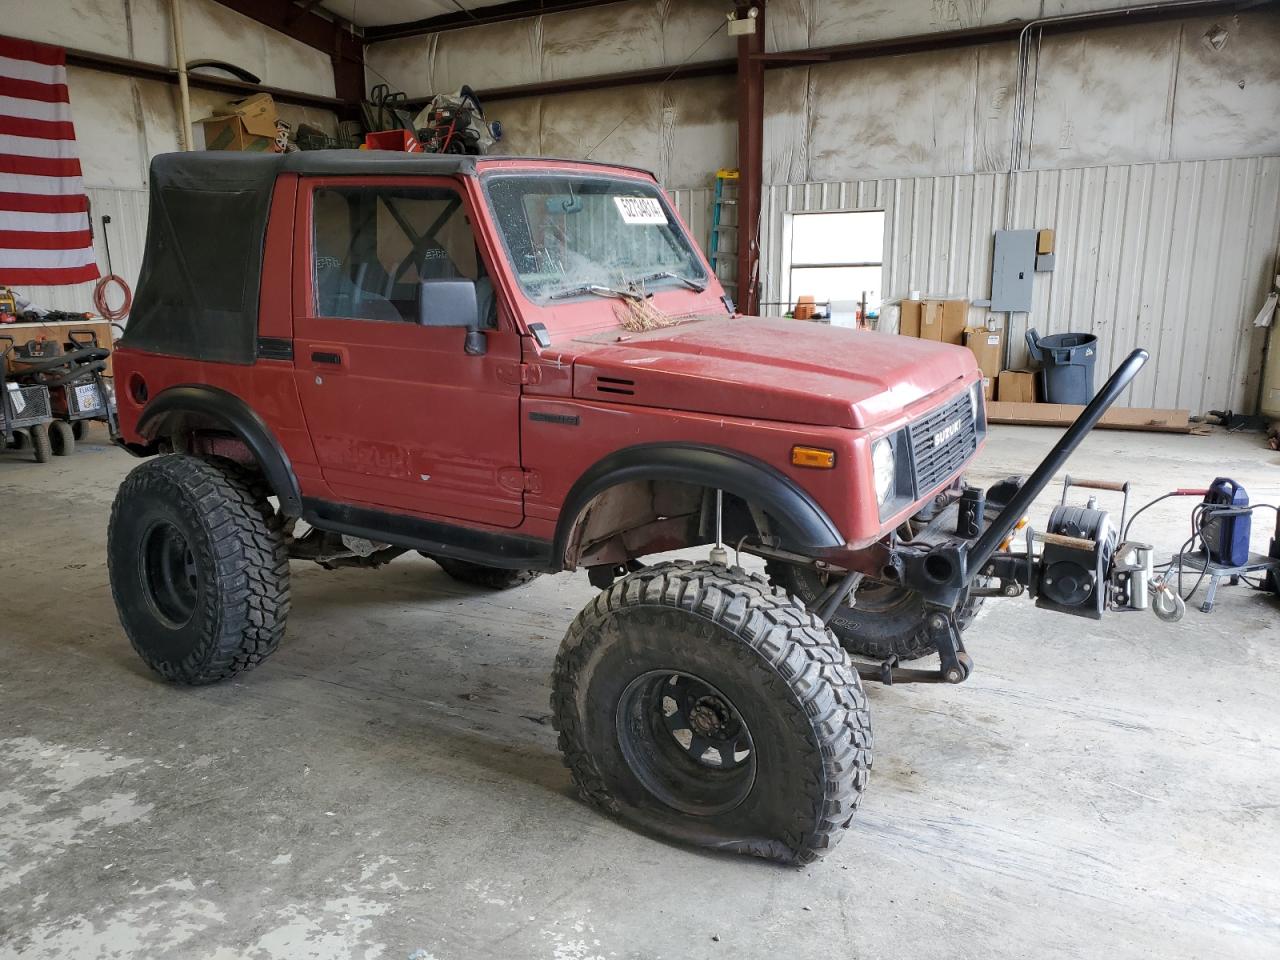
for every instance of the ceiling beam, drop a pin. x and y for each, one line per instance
(345, 49)
(153, 71)
(497, 13)
(896, 46)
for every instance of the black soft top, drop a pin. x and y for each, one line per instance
(201, 271)
(197, 293)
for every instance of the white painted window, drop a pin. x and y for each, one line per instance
(837, 257)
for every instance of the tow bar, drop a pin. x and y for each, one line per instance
(1075, 572)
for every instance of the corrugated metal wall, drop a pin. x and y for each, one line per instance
(1175, 257)
(126, 234)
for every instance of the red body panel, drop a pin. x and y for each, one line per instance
(774, 369)
(408, 423)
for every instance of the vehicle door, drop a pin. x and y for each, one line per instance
(402, 416)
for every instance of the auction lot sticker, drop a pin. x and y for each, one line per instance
(640, 210)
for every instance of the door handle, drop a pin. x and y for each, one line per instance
(325, 356)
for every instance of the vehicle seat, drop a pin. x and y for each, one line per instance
(337, 295)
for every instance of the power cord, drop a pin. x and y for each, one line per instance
(1201, 514)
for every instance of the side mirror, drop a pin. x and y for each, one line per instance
(452, 303)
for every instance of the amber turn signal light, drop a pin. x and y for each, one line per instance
(813, 457)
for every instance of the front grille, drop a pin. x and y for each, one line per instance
(932, 461)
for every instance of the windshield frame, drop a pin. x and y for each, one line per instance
(674, 222)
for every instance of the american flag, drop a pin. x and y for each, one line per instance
(44, 218)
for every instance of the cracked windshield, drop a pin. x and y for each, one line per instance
(578, 237)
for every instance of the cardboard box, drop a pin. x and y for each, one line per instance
(258, 113)
(944, 320)
(909, 317)
(229, 133)
(248, 125)
(1016, 386)
(987, 347)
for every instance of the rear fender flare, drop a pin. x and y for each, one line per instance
(227, 412)
(801, 524)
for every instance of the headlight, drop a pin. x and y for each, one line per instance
(884, 467)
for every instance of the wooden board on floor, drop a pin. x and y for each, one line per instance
(1117, 418)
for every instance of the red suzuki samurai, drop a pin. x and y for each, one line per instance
(518, 367)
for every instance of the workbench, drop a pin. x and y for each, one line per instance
(60, 331)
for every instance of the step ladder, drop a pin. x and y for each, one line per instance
(724, 261)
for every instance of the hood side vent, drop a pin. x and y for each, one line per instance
(626, 388)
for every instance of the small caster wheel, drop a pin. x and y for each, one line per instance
(62, 438)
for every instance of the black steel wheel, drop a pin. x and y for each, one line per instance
(169, 573)
(199, 569)
(699, 703)
(884, 620)
(685, 742)
(62, 438)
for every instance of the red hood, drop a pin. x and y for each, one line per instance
(768, 369)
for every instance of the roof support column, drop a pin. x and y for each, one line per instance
(750, 97)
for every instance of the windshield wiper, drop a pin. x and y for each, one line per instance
(668, 275)
(597, 290)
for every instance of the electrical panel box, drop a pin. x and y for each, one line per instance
(1012, 271)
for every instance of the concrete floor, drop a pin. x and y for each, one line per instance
(388, 785)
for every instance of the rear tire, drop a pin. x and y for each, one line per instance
(41, 446)
(78, 429)
(776, 743)
(884, 621)
(478, 575)
(62, 438)
(199, 570)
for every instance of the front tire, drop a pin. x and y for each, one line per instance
(884, 621)
(700, 703)
(199, 572)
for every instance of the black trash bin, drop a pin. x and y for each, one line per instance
(1066, 365)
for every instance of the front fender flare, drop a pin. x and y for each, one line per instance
(228, 412)
(803, 526)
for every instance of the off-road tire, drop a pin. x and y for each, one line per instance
(876, 631)
(792, 683)
(62, 438)
(21, 440)
(240, 562)
(78, 429)
(478, 575)
(41, 445)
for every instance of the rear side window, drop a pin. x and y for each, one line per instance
(373, 246)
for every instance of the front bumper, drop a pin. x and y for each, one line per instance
(961, 542)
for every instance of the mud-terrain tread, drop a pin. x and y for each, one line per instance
(801, 658)
(479, 575)
(909, 643)
(251, 604)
